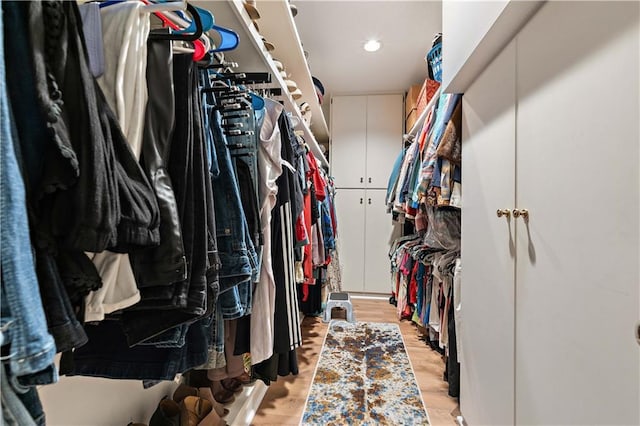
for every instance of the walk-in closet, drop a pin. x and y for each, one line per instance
(319, 212)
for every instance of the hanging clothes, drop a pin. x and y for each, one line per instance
(287, 336)
(270, 169)
(22, 317)
(425, 193)
(164, 265)
(163, 223)
(125, 29)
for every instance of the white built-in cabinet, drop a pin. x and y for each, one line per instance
(366, 138)
(550, 299)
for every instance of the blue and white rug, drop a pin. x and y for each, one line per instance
(364, 377)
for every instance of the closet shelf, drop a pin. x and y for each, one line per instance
(278, 26)
(252, 56)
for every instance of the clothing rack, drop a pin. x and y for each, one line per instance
(418, 124)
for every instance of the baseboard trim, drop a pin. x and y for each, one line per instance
(368, 296)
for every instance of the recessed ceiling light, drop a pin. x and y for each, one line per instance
(372, 46)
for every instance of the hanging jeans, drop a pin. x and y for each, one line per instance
(14, 411)
(244, 156)
(108, 355)
(237, 253)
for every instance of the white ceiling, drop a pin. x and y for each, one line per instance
(333, 32)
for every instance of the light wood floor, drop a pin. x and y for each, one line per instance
(284, 402)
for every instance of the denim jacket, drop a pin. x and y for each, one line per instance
(22, 319)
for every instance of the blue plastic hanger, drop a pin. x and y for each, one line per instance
(256, 101)
(229, 39)
(109, 3)
(206, 17)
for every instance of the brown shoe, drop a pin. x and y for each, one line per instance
(208, 395)
(232, 385)
(212, 419)
(193, 410)
(184, 391)
(220, 394)
(224, 396)
(245, 379)
(167, 414)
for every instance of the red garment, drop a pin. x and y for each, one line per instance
(307, 260)
(318, 181)
(412, 291)
(320, 185)
(302, 237)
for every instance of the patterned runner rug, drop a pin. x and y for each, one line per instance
(364, 377)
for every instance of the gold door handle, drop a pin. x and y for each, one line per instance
(503, 212)
(521, 212)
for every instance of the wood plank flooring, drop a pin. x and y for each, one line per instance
(284, 402)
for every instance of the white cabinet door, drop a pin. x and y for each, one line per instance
(377, 271)
(577, 361)
(384, 137)
(348, 140)
(487, 298)
(350, 209)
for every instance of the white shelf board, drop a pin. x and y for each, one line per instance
(278, 26)
(457, 77)
(244, 408)
(252, 56)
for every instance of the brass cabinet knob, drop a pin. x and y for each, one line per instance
(521, 212)
(503, 212)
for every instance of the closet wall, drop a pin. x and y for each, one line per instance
(366, 134)
(550, 299)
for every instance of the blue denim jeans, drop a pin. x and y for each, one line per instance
(237, 253)
(235, 246)
(108, 355)
(22, 316)
(244, 158)
(14, 413)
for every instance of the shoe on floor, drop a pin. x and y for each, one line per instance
(223, 396)
(184, 391)
(167, 414)
(232, 385)
(193, 410)
(245, 379)
(208, 395)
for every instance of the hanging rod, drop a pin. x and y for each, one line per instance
(419, 122)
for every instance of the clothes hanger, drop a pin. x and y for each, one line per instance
(257, 102)
(166, 6)
(183, 37)
(206, 17)
(229, 39)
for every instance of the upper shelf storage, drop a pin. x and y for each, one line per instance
(278, 26)
(252, 56)
(473, 35)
